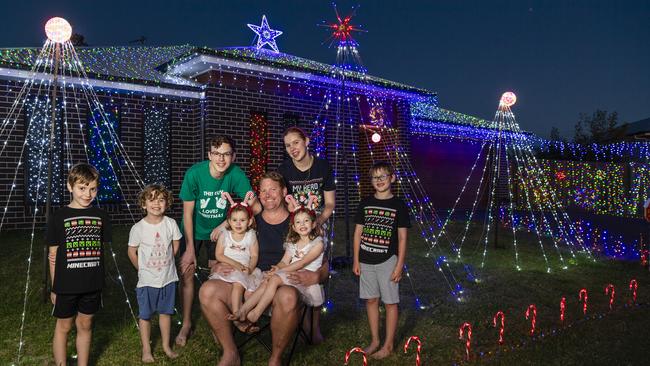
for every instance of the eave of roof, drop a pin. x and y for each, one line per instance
(282, 63)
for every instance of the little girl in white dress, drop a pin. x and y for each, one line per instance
(237, 246)
(303, 250)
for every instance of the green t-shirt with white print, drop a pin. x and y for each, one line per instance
(209, 207)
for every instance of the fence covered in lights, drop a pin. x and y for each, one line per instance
(611, 179)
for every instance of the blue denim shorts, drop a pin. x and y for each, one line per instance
(156, 300)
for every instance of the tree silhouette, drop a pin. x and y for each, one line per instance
(78, 40)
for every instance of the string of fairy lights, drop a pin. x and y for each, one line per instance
(102, 134)
(510, 162)
(539, 210)
(425, 216)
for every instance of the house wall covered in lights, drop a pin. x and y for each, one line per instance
(165, 103)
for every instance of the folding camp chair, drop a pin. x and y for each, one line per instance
(307, 313)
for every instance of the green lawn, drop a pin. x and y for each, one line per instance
(604, 338)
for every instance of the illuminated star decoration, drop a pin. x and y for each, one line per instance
(342, 31)
(347, 54)
(265, 35)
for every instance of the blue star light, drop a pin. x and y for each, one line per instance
(265, 35)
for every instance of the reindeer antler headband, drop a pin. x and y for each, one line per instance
(309, 207)
(244, 203)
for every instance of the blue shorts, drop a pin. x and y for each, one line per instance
(156, 300)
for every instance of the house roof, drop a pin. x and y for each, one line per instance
(128, 64)
(158, 65)
(641, 127)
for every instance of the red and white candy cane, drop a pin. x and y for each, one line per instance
(356, 350)
(503, 321)
(562, 309)
(609, 290)
(531, 312)
(633, 287)
(582, 296)
(406, 347)
(468, 343)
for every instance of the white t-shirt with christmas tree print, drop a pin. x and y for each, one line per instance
(155, 251)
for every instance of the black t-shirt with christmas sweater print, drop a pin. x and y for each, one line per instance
(317, 179)
(80, 234)
(380, 220)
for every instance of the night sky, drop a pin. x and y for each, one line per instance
(560, 57)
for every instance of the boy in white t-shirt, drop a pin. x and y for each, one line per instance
(153, 243)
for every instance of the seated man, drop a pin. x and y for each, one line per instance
(214, 295)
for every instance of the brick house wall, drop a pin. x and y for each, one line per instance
(226, 109)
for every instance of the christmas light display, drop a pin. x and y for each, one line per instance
(57, 86)
(468, 341)
(502, 327)
(508, 99)
(609, 290)
(417, 200)
(259, 145)
(356, 350)
(58, 30)
(37, 140)
(562, 309)
(429, 110)
(265, 35)
(102, 155)
(582, 296)
(508, 162)
(347, 54)
(633, 287)
(531, 313)
(417, 355)
(157, 158)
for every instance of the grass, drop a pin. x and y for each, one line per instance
(604, 337)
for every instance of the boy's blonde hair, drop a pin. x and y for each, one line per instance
(83, 173)
(152, 191)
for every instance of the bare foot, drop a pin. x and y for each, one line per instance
(275, 361)
(229, 359)
(171, 354)
(252, 328)
(147, 357)
(242, 326)
(243, 313)
(382, 353)
(372, 347)
(181, 338)
(253, 316)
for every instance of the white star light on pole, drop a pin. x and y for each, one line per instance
(265, 35)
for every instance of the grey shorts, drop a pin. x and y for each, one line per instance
(375, 281)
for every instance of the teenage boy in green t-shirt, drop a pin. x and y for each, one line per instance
(204, 212)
